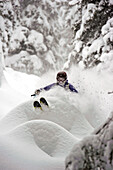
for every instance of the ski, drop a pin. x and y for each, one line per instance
(36, 104)
(40, 105)
(43, 101)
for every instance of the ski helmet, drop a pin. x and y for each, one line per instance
(61, 74)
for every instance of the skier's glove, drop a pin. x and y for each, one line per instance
(37, 91)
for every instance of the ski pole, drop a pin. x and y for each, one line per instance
(110, 92)
(33, 95)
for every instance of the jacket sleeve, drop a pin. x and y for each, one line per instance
(72, 88)
(46, 88)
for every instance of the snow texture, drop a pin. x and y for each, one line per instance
(41, 38)
(32, 138)
(94, 152)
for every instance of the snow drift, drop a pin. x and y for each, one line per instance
(30, 137)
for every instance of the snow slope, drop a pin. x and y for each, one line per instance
(31, 139)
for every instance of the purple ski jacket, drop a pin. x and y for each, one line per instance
(66, 86)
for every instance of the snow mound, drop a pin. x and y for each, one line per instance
(31, 139)
(25, 156)
(62, 111)
(94, 151)
(48, 136)
(8, 100)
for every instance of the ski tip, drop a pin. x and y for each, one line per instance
(36, 104)
(38, 108)
(43, 101)
(33, 95)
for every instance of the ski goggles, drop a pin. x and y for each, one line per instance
(61, 79)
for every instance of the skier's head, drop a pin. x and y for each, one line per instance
(61, 77)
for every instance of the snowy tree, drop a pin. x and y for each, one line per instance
(2, 65)
(87, 19)
(76, 26)
(43, 35)
(39, 17)
(6, 25)
(94, 152)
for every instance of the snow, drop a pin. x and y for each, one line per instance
(96, 149)
(33, 138)
(107, 59)
(107, 30)
(87, 15)
(2, 25)
(74, 2)
(111, 2)
(36, 139)
(35, 37)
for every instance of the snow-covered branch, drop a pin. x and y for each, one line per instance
(94, 152)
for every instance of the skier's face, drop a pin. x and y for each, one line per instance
(61, 80)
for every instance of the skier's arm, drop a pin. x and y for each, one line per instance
(72, 88)
(46, 88)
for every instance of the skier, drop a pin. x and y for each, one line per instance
(61, 81)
